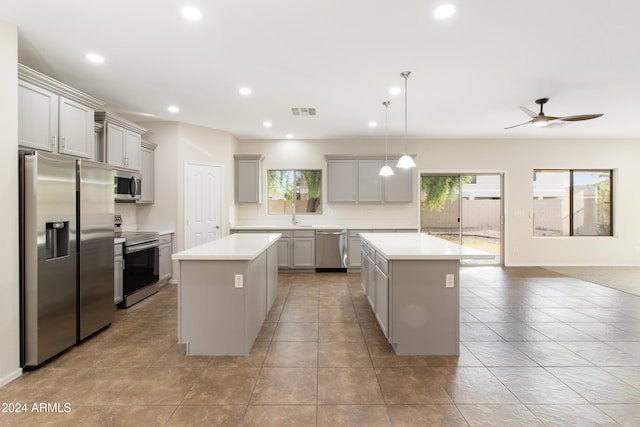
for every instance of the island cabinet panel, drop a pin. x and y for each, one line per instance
(225, 290)
(412, 283)
(216, 318)
(424, 314)
(272, 276)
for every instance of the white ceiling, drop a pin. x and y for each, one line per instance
(469, 75)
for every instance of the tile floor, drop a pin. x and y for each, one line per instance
(538, 348)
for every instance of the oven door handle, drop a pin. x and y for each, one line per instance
(138, 248)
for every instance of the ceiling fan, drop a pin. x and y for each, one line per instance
(540, 120)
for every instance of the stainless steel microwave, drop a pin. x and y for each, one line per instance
(127, 186)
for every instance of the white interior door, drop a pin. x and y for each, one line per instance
(203, 203)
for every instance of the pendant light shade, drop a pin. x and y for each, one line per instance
(386, 169)
(406, 161)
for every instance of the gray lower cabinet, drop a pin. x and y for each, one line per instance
(165, 269)
(284, 250)
(118, 267)
(370, 266)
(304, 250)
(296, 248)
(381, 282)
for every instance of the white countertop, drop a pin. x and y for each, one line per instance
(419, 246)
(161, 229)
(238, 247)
(322, 227)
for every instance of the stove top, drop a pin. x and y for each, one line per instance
(138, 237)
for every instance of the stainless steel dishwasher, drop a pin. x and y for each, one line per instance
(331, 250)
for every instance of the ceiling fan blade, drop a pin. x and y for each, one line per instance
(515, 126)
(528, 112)
(579, 117)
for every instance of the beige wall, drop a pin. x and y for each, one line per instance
(9, 313)
(179, 143)
(515, 158)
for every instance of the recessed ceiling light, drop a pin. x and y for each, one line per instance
(395, 91)
(444, 11)
(192, 13)
(173, 109)
(373, 124)
(289, 136)
(94, 57)
(267, 124)
(244, 91)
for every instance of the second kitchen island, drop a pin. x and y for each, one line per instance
(412, 283)
(225, 290)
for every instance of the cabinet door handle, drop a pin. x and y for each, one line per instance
(53, 141)
(63, 141)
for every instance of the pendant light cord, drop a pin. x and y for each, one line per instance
(406, 75)
(386, 131)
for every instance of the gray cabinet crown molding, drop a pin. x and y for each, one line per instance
(259, 157)
(32, 76)
(149, 145)
(106, 116)
(390, 157)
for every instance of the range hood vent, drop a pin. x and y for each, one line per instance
(303, 111)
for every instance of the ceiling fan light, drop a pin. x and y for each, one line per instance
(540, 123)
(386, 171)
(406, 162)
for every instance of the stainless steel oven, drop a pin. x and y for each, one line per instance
(141, 266)
(127, 186)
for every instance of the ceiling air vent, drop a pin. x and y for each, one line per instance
(303, 111)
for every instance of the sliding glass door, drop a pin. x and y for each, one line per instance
(465, 209)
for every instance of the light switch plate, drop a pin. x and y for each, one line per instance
(449, 281)
(239, 281)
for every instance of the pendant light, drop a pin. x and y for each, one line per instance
(406, 161)
(386, 169)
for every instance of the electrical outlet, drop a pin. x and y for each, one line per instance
(239, 281)
(449, 281)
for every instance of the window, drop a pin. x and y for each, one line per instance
(287, 185)
(572, 202)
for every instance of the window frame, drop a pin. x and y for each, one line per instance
(571, 197)
(295, 173)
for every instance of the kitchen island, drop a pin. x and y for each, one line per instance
(412, 283)
(225, 290)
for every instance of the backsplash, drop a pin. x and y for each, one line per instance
(128, 213)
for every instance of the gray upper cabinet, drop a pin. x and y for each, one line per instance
(119, 142)
(53, 116)
(356, 179)
(248, 178)
(398, 188)
(147, 170)
(369, 181)
(342, 180)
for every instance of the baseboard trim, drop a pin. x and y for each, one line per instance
(12, 376)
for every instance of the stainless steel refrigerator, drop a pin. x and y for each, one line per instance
(95, 247)
(62, 292)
